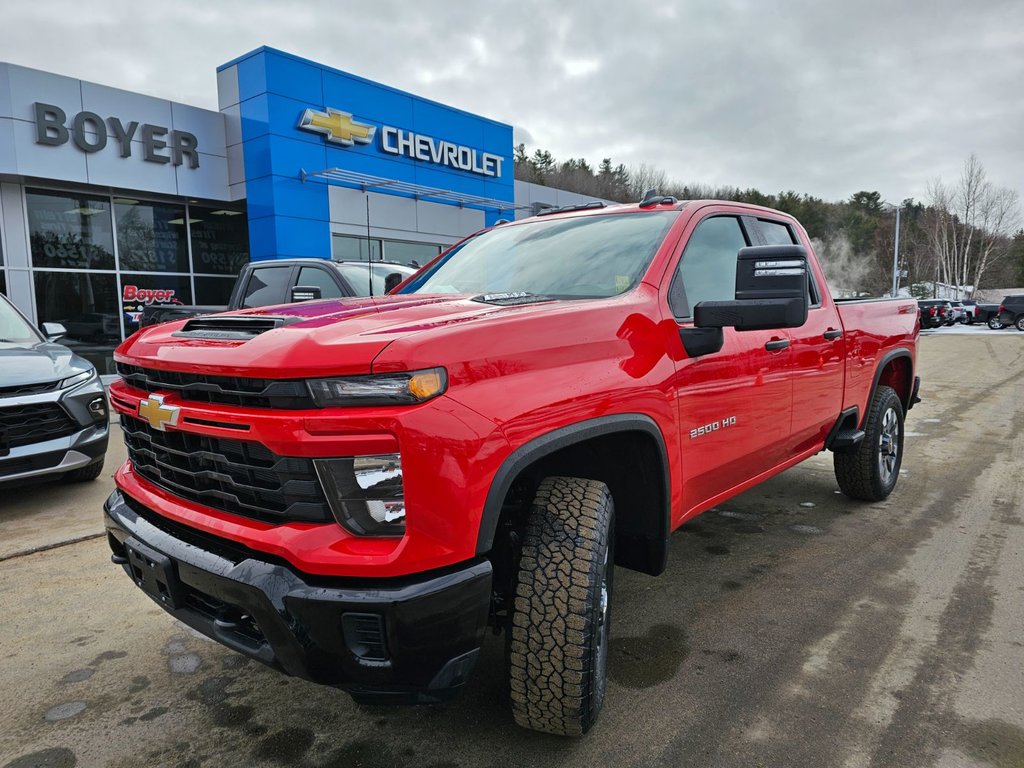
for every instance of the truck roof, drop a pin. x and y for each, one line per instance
(597, 207)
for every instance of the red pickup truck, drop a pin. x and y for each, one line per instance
(352, 491)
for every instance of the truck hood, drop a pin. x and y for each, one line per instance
(37, 363)
(334, 337)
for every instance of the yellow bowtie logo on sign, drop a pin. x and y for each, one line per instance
(337, 126)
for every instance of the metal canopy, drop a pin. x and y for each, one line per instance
(368, 183)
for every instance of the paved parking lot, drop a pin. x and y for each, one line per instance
(793, 628)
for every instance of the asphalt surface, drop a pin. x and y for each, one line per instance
(793, 628)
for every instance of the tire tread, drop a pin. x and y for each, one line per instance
(550, 653)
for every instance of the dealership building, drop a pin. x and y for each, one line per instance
(110, 199)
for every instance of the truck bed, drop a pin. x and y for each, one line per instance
(874, 329)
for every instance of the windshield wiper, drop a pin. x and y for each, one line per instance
(511, 298)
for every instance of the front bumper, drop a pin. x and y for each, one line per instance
(410, 639)
(53, 457)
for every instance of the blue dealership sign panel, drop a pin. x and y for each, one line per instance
(288, 116)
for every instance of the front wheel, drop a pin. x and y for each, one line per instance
(560, 619)
(994, 324)
(84, 474)
(870, 473)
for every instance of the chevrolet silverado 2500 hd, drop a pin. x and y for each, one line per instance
(353, 491)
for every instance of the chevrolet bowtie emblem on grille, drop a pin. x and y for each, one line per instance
(337, 126)
(153, 410)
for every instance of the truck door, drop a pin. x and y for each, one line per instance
(816, 356)
(735, 405)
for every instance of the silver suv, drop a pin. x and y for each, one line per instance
(53, 408)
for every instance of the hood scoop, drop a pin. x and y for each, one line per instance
(232, 327)
(511, 299)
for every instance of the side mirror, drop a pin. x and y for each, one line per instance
(53, 331)
(771, 291)
(305, 293)
(392, 281)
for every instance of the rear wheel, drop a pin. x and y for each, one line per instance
(870, 473)
(1020, 323)
(560, 618)
(994, 324)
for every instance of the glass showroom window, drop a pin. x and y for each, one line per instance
(151, 237)
(72, 245)
(69, 230)
(349, 248)
(220, 248)
(86, 304)
(141, 290)
(410, 254)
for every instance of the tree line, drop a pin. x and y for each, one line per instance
(966, 235)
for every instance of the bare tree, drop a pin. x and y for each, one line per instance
(644, 177)
(968, 224)
(998, 217)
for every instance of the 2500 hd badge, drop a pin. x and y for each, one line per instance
(714, 426)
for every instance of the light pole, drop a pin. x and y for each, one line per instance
(895, 250)
(896, 257)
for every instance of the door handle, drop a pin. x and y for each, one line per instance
(832, 333)
(776, 344)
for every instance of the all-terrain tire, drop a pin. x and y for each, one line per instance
(870, 473)
(558, 642)
(84, 474)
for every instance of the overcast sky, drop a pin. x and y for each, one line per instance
(820, 97)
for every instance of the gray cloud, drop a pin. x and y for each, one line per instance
(803, 95)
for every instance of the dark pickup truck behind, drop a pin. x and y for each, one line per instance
(285, 281)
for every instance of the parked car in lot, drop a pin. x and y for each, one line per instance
(1011, 311)
(53, 409)
(934, 313)
(987, 314)
(283, 281)
(959, 312)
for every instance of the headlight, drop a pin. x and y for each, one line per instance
(365, 493)
(383, 389)
(78, 378)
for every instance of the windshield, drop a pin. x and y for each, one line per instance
(13, 328)
(360, 276)
(572, 258)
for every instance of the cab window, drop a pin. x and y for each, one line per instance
(315, 276)
(777, 233)
(707, 269)
(267, 285)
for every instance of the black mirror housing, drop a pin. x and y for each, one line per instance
(751, 314)
(771, 291)
(305, 293)
(392, 281)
